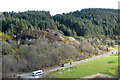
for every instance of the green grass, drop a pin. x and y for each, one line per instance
(106, 65)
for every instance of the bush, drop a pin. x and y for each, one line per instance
(86, 47)
(96, 51)
(9, 65)
(6, 48)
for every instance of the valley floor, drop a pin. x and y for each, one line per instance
(105, 65)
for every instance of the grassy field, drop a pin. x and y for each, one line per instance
(106, 65)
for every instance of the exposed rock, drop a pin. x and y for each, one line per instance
(32, 35)
(71, 39)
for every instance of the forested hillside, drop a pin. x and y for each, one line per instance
(89, 22)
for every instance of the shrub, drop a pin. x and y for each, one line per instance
(96, 51)
(6, 48)
(9, 65)
(86, 47)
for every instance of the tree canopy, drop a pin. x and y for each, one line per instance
(87, 22)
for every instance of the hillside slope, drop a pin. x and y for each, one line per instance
(91, 22)
(87, 22)
(34, 40)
